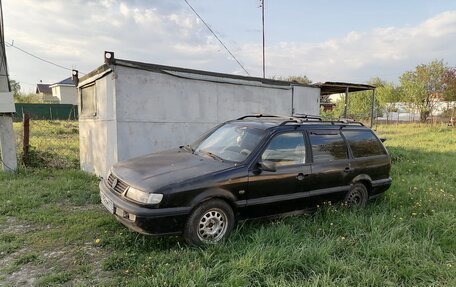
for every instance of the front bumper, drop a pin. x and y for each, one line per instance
(151, 221)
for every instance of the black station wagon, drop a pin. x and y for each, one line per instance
(255, 166)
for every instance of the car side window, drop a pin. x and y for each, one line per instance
(327, 147)
(363, 143)
(286, 149)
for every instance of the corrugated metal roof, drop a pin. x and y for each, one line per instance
(330, 88)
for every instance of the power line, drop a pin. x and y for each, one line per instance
(215, 35)
(37, 57)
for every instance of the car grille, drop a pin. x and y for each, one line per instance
(116, 184)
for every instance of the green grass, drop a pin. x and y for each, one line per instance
(54, 232)
(53, 144)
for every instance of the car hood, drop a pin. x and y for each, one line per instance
(154, 171)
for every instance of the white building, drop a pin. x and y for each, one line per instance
(127, 108)
(65, 92)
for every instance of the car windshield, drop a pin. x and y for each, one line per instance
(230, 142)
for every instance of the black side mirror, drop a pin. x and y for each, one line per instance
(267, 166)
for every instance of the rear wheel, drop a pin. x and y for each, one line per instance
(357, 196)
(211, 222)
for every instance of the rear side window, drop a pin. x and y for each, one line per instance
(363, 143)
(327, 147)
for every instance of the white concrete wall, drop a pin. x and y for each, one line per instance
(140, 112)
(98, 135)
(306, 100)
(65, 94)
(157, 111)
(68, 95)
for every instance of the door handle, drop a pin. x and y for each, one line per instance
(301, 176)
(348, 170)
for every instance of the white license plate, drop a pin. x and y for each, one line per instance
(107, 203)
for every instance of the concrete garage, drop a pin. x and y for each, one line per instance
(130, 108)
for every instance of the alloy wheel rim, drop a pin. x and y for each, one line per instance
(212, 225)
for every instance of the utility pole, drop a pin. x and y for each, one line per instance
(7, 140)
(262, 20)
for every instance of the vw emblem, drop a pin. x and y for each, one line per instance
(114, 183)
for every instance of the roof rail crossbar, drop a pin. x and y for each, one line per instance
(349, 121)
(287, 119)
(305, 116)
(291, 120)
(259, 116)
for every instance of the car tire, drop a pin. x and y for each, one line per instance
(357, 196)
(209, 223)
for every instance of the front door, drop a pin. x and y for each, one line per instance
(273, 191)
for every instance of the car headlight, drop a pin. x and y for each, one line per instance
(144, 197)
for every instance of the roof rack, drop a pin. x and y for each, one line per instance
(287, 119)
(259, 116)
(303, 118)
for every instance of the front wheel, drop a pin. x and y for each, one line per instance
(211, 222)
(357, 196)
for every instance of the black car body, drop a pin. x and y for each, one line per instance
(282, 165)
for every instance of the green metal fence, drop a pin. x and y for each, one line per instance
(47, 111)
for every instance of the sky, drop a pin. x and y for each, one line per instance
(344, 40)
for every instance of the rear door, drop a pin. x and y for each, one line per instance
(331, 171)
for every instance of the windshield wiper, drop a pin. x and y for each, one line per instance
(214, 156)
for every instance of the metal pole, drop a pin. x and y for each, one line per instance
(262, 19)
(346, 103)
(372, 108)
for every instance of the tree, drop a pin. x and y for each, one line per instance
(299, 79)
(20, 97)
(450, 84)
(359, 106)
(304, 80)
(424, 86)
(360, 103)
(15, 87)
(387, 95)
(30, 98)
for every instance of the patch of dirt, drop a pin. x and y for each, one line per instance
(59, 259)
(12, 225)
(54, 261)
(25, 275)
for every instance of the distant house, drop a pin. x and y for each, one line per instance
(45, 93)
(65, 92)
